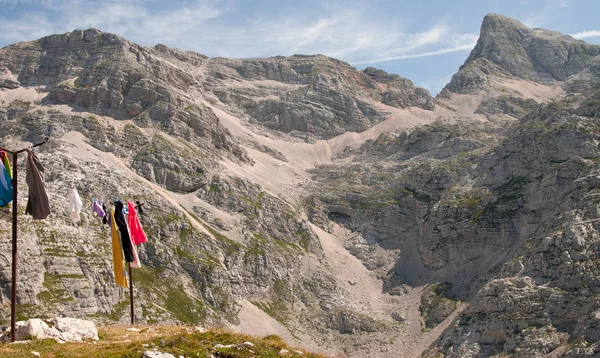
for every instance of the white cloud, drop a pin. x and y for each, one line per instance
(203, 26)
(451, 42)
(345, 35)
(586, 34)
(416, 55)
(127, 18)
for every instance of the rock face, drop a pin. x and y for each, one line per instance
(437, 303)
(260, 207)
(508, 48)
(7, 80)
(533, 54)
(319, 95)
(108, 75)
(400, 92)
(508, 218)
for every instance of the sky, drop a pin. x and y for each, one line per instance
(425, 41)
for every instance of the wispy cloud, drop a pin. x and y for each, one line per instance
(466, 43)
(586, 34)
(127, 18)
(204, 26)
(416, 55)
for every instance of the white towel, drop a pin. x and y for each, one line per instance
(74, 207)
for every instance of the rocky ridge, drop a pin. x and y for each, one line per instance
(508, 53)
(318, 95)
(508, 48)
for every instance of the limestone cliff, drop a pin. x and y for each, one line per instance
(513, 67)
(508, 48)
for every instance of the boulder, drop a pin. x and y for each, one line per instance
(74, 329)
(61, 329)
(8, 80)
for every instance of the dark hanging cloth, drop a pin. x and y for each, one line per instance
(124, 231)
(106, 216)
(38, 204)
(138, 207)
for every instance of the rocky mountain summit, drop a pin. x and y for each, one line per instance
(508, 48)
(347, 211)
(511, 61)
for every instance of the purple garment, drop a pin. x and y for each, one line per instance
(97, 207)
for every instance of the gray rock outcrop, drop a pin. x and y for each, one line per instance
(509, 219)
(61, 329)
(437, 303)
(318, 95)
(508, 48)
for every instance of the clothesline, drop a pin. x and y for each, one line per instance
(25, 149)
(126, 233)
(38, 206)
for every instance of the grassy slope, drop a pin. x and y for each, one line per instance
(117, 341)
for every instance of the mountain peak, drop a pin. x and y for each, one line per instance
(507, 47)
(533, 54)
(493, 19)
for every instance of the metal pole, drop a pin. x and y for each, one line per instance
(15, 207)
(131, 294)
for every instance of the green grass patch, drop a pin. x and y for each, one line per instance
(55, 292)
(170, 295)
(173, 340)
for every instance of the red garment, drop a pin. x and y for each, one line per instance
(138, 236)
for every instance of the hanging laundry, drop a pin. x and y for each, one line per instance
(38, 204)
(6, 189)
(138, 236)
(139, 207)
(121, 223)
(117, 251)
(136, 260)
(4, 158)
(74, 207)
(97, 208)
(106, 217)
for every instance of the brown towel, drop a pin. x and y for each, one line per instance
(38, 204)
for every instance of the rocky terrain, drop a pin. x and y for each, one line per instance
(346, 211)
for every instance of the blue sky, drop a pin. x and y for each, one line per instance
(425, 41)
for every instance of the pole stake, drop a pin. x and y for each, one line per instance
(131, 294)
(15, 209)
